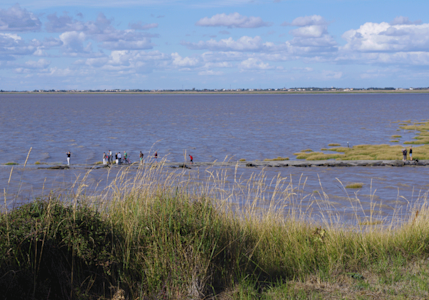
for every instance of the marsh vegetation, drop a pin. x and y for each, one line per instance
(159, 236)
(377, 152)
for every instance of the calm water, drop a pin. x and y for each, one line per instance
(210, 127)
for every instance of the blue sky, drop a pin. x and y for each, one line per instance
(170, 44)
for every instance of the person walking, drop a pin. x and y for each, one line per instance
(104, 158)
(119, 157)
(191, 158)
(116, 158)
(68, 158)
(125, 157)
(110, 157)
(404, 154)
(411, 152)
(141, 157)
(156, 155)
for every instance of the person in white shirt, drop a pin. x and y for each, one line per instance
(68, 158)
(119, 157)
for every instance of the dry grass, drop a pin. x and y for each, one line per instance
(277, 159)
(173, 239)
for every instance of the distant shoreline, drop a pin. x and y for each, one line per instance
(229, 92)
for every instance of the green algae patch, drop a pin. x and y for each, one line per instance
(242, 159)
(11, 164)
(356, 185)
(396, 136)
(277, 159)
(334, 145)
(307, 150)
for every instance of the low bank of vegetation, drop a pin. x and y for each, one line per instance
(153, 238)
(366, 152)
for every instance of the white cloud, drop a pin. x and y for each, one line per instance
(102, 30)
(383, 37)
(244, 43)
(254, 64)
(328, 75)
(311, 31)
(210, 73)
(40, 64)
(307, 21)
(403, 21)
(73, 41)
(12, 45)
(184, 61)
(233, 20)
(399, 58)
(141, 26)
(17, 19)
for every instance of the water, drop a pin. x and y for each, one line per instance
(210, 127)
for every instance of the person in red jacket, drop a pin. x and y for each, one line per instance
(191, 158)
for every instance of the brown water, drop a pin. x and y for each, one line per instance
(210, 127)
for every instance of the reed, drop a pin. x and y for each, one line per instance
(165, 235)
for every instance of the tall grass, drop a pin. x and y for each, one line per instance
(168, 235)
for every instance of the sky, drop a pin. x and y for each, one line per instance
(178, 44)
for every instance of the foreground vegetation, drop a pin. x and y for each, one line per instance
(157, 236)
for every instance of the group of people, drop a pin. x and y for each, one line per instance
(109, 158)
(404, 153)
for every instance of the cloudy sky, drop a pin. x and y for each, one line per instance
(174, 44)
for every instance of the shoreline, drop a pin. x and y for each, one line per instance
(228, 92)
(243, 164)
